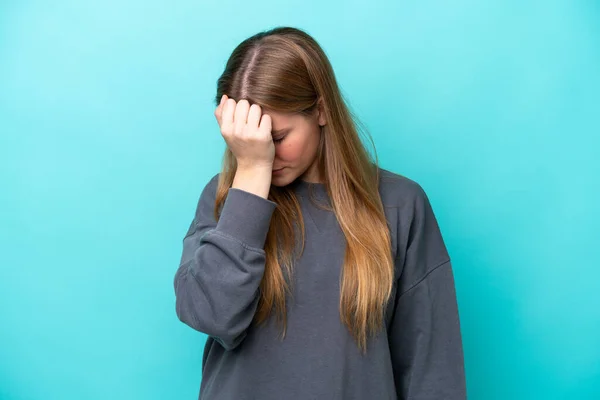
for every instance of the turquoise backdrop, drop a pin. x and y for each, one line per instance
(107, 137)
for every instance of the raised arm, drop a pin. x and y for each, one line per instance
(222, 264)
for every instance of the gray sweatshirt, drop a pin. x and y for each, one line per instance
(419, 354)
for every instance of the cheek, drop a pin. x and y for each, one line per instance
(290, 150)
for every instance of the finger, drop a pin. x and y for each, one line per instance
(241, 116)
(227, 115)
(219, 110)
(254, 117)
(265, 125)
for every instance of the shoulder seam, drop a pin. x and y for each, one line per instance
(423, 278)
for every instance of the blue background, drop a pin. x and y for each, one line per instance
(108, 137)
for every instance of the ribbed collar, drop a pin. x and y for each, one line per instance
(304, 188)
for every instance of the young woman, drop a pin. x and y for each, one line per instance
(315, 273)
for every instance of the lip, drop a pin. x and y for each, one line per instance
(278, 170)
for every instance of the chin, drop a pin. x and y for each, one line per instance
(282, 180)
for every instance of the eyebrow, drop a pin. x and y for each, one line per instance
(280, 131)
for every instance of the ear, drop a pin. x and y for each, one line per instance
(321, 112)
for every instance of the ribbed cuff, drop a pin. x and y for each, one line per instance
(246, 216)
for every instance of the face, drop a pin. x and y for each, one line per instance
(296, 140)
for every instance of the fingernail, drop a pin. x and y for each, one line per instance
(222, 98)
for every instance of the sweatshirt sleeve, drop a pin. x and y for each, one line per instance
(424, 334)
(222, 264)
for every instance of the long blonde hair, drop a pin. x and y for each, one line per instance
(284, 69)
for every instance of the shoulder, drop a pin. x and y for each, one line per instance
(399, 191)
(413, 223)
(406, 199)
(207, 197)
(210, 186)
(213, 182)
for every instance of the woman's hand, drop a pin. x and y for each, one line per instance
(247, 132)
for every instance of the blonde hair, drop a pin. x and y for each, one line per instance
(284, 69)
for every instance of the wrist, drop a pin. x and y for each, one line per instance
(256, 180)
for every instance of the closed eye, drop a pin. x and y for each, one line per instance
(279, 140)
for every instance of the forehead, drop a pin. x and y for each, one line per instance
(281, 121)
(280, 117)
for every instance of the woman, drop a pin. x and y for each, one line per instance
(315, 273)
